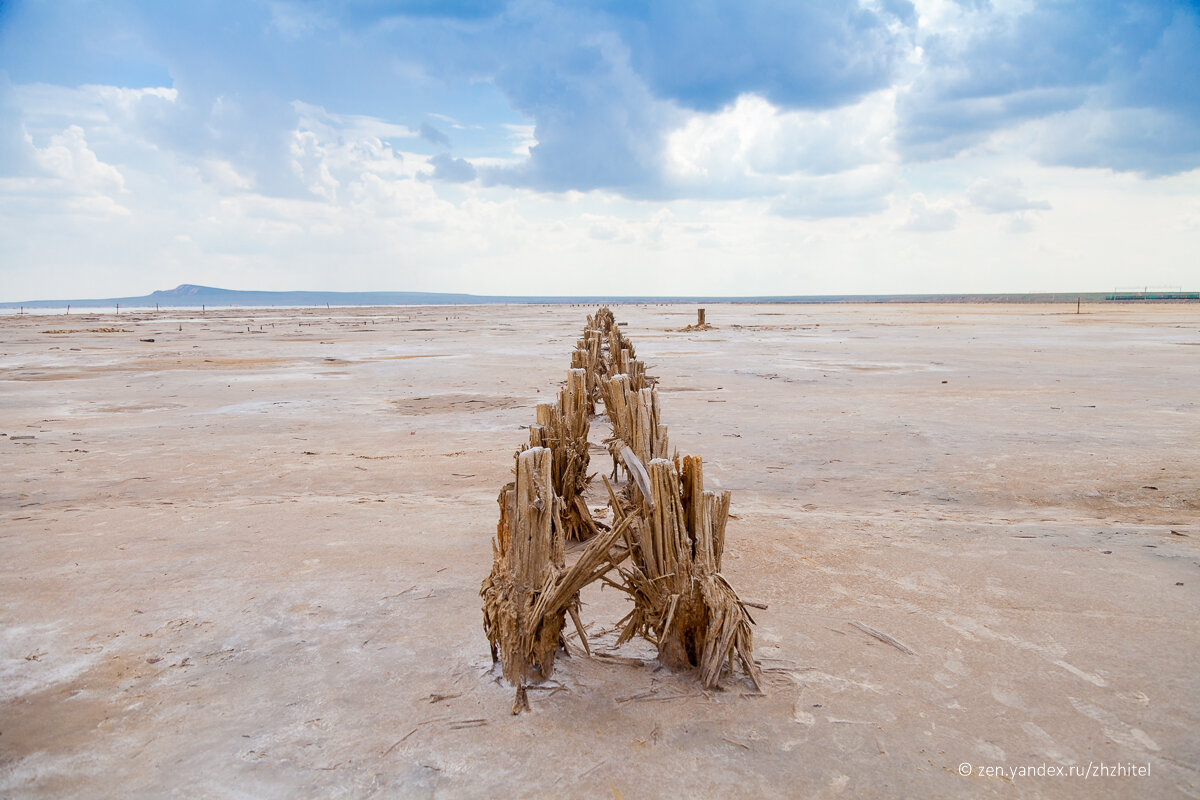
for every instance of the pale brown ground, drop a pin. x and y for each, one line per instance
(245, 564)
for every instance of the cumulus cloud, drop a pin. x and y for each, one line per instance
(744, 146)
(1002, 196)
(926, 217)
(853, 194)
(452, 170)
(225, 177)
(602, 231)
(1062, 65)
(310, 162)
(1020, 223)
(69, 158)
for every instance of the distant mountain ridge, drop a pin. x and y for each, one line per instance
(192, 295)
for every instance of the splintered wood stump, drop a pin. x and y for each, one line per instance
(602, 320)
(591, 366)
(638, 379)
(525, 554)
(589, 356)
(619, 360)
(635, 420)
(563, 428)
(573, 400)
(682, 603)
(620, 352)
(529, 592)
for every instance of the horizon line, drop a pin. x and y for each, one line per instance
(185, 295)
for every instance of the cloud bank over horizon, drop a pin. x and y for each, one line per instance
(521, 147)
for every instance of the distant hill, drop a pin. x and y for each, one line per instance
(188, 294)
(194, 296)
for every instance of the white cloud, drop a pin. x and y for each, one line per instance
(861, 192)
(332, 153)
(926, 217)
(1151, 141)
(413, 202)
(750, 146)
(69, 158)
(225, 176)
(602, 232)
(310, 163)
(1002, 196)
(329, 125)
(523, 138)
(117, 211)
(1020, 222)
(124, 99)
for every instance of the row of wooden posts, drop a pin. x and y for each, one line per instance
(663, 547)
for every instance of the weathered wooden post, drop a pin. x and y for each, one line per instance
(635, 419)
(699, 317)
(681, 601)
(529, 592)
(527, 548)
(574, 401)
(563, 428)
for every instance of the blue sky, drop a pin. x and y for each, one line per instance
(599, 147)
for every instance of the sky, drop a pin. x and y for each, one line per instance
(603, 147)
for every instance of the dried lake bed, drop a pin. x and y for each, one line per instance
(243, 559)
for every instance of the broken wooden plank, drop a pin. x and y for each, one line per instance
(883, 637)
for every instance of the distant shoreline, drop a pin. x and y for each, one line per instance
(189, 296)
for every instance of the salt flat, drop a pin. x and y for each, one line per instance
(243, 559)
